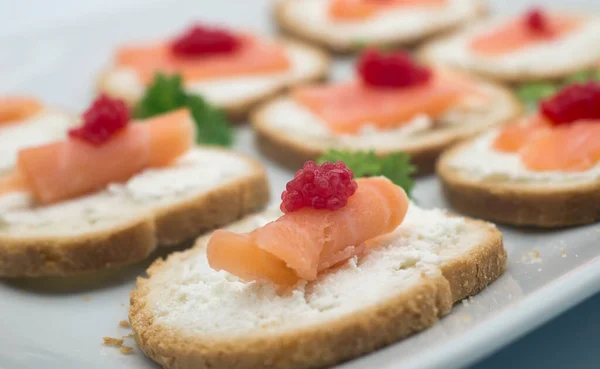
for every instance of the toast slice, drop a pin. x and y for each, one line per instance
(495, 186)
(204, 189)
(308, 20)
(235, 95)
(186, 315)
(291, 134)
(46, 126)
(551, 61)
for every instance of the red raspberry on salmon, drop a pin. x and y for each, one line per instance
(537, 20)
(393, 70)
(199, 40)
(326, 186)
(102, 120)
(576, 102)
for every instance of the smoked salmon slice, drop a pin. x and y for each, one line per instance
(14, 108)
(302, 243)
(66, 169)
(515, 35)
(571, 147)
(353, 10)
(512, 137)
(347, 107)
(253, 57)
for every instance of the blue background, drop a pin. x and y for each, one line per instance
(571, 341)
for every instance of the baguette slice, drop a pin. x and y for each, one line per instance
(291, 134)
(186, 315)
(235, 95)
(550, 61)
(123, 224)
(46, 126)
(308, 20)
(498, 188)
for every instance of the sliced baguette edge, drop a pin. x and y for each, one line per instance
(134, 240)
(521, 204)
(332, 342)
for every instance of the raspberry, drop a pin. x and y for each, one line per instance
(199, 40)
(392, 70)
(325, 186)
(575, 102)
(536, 20)
(102, 120)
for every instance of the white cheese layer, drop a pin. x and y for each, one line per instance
(480, 161)
(227, 91)
(577, 49)
(197, 172)
(191, 296)
(39, 129)
(406, 22)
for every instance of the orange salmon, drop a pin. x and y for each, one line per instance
(14, 109)
(300, 244)
(253, 57)
(66, 169)
(512, 137)
(346, 107)
(354, 10)
(571, 147)
(515, 35)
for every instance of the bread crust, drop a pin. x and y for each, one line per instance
(290, 153)
(34, 257)
(520, 204)
(289, 27)
(470, 274)
(331, 343)
(134, 241)
(238, 111)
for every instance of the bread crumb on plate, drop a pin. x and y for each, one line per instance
(125, 350)
(124, 324)
(110, 341)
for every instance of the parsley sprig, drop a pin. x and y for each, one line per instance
(532, 93)
(166, 93)
(396, 167)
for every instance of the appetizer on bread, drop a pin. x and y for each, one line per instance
(543, 170)
(394, 105)
(538, 45)
(25, 121)
(231, 69)
(348, 25)
(115, 189)
(342, 270)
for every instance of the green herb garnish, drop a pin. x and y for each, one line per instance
(531, 93)
(396, 167)
(166, 93)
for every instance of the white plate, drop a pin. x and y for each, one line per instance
(59, 322)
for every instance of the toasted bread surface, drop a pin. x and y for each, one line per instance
(291, 23)
(464, 271)
(90, 245)
(520, 203)
(239, 108)
(293, 148)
